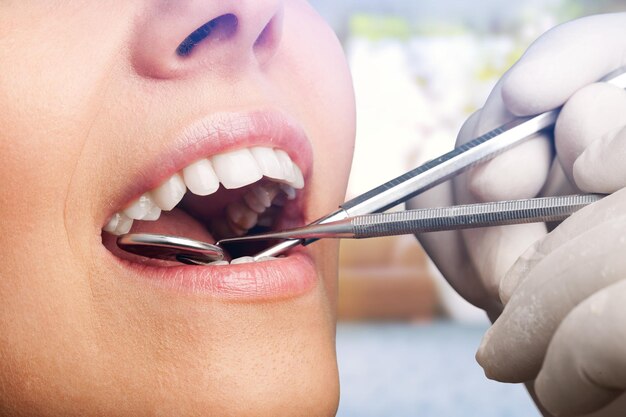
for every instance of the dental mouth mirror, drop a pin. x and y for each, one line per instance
(383, 197)
(170, 248)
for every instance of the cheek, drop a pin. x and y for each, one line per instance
(50, 96)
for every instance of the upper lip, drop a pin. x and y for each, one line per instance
(214, 134)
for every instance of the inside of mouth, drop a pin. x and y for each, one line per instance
(256, 208)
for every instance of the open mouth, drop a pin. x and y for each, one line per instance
(226, 195)
(226, 175)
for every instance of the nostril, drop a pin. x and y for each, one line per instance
(218, 29)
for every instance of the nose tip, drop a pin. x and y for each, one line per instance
(193, 36)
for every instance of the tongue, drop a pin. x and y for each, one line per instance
(175, 223)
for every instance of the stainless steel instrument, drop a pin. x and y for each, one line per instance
(171, 248)
(547, 209)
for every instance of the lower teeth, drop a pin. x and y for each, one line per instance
(243, 260)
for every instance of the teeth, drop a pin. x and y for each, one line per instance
(266, 194)
(242, 167)
(119, 224)
(200, 178)
(241, 216)
(236, 169)
(260, 197)
(124, 225)
(112, 223)
(242, 260)
(253, 203)
(287, 165)
(298, 182)
(276, 164)
(268, 162)
(140, 208)
(168, 194)
(219, 263)
(266, 259)
(153, 214)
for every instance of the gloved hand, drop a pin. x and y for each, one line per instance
(565, 321)
(564, 292)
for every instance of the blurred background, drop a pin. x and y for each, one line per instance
(406, 342)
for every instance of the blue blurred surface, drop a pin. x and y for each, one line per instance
(404, 370)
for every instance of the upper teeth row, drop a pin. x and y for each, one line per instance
(233, 169)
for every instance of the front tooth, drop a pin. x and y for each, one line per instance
(168, 194)
(200, 178)
(242, 260)
(140, 208)
(268, 162)
(287, 166)
(241, 216)
(236, 169)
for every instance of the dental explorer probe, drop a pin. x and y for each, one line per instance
(469, 216)
(441, 169)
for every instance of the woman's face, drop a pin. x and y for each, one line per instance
(104, 102)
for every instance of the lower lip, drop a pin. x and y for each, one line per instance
(286, 277)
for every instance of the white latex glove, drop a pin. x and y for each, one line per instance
(554, 69)
(591, 149)
(565, 323)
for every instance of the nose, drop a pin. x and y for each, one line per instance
(181, 37)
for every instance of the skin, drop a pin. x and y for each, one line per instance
(88, 91)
